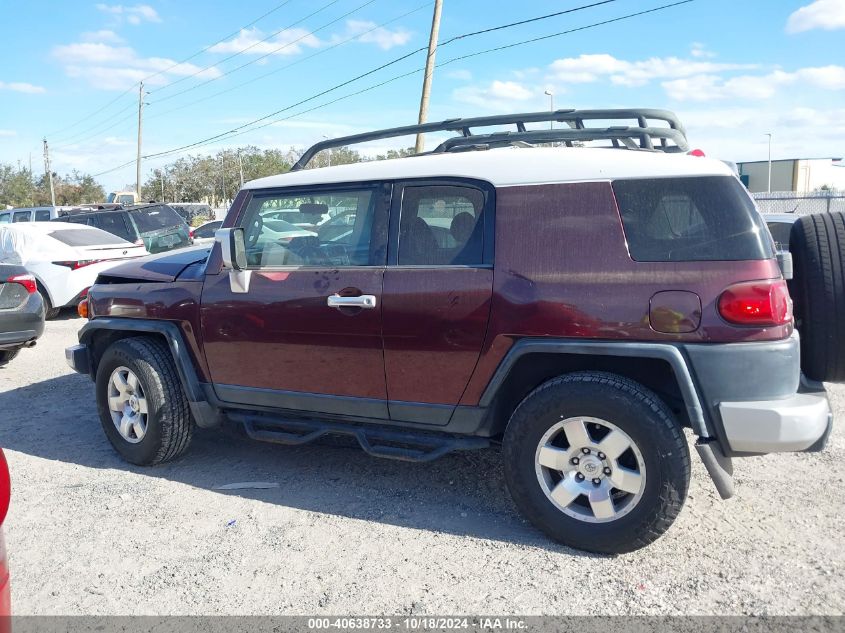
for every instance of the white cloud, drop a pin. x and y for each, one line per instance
(19, 86)
(8, 133)
(700, 51)
(498, 95)
(368, 33)
(288, 42)
(133, 15)
(104, 36)
(753, 87)
(116, 67)
(827, 15)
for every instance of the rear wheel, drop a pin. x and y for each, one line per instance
(49, 311)
(597, 462)
(6, 355)
(142, 408)
(817, 243)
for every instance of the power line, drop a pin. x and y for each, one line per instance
(220, 41)
(95, 130)
(94, 113)
(286, 66)
(243, 50)
(240, 129)
(266, 55)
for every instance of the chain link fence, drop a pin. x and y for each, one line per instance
(800, 203)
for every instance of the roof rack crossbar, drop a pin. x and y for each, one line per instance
(619, 137)
(574, 119)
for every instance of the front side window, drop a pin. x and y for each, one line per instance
(207, 230)
(5, 218)
(699, 218)
(441, 225)
(284, 229)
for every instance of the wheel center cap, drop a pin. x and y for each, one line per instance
(590, 466)
(133, 403)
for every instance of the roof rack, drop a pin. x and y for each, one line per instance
(640, 136)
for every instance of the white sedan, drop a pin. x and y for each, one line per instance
(65, 258)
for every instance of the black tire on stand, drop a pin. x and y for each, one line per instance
(817, 244)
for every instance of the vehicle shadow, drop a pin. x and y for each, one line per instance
(462, 493)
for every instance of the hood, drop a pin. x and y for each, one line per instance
(162, 267)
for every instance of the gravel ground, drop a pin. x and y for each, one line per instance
(347, 533)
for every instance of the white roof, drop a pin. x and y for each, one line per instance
(511, 166)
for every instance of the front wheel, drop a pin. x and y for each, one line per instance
(597, 462)
(142, 407)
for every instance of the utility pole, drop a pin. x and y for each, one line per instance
(140, 122)
(49, 173)
(551, 96)
(161, 175)
(769, 134)
(429, 71)
(241, 167)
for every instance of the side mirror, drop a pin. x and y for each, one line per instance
(785, 262)
(233, 248)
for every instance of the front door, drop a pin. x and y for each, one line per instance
(306, 335)
(438, 290)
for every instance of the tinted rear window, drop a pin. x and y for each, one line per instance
(156, 218)
(703, 218)
(82, 237)
(780, 232)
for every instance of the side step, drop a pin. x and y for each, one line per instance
(378, 441)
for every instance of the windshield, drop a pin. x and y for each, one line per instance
(156, 218)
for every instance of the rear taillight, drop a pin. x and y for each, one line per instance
(5, 488)
(82, 263)
(760, 303)
(25, 280)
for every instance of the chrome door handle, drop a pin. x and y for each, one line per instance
(363, 301)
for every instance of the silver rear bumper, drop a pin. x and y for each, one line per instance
(795, 423)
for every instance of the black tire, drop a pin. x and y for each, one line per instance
(49, 311)
(817, 244)
(169, 424)
(6, 355)
(633, 409)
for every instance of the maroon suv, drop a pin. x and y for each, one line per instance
(581, 306)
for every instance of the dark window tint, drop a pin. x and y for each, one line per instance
(42, 216)
(115, 223)
(156, 218)
(691, 219)
(86, 237)
(20, 216)
(207, 230)
(780, 232)
(441, 225)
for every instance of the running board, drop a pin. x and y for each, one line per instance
(378, 441)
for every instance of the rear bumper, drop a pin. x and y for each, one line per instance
(798, 423)
(23, 324)
(757, 398)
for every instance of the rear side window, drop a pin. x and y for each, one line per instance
(42, 216)
(83, 237)
(701, 218)
(115, 223)
(156, 218)
(20, 216)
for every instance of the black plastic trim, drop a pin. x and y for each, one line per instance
(670, 353)
(301, 401)
(420, 412)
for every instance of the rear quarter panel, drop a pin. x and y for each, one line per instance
(562, 269)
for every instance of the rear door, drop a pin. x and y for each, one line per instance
(307, 333)
(437, 294)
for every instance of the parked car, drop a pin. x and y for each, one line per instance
(21, 311)
(204, 233)
(5, 593)
(123, 197)
(816, 285)
(589, 304)
(29, 214)
(154, 226)
(65, 259)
